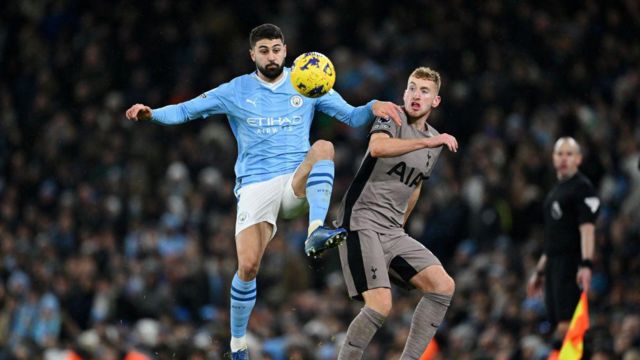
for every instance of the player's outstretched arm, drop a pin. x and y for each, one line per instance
(443, 139)
(335, 106)
(209, 103)
(139, 112)
(382, 145)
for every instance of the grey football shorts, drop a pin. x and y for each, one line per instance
(373, 260)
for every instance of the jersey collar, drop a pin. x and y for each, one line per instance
(275, 85)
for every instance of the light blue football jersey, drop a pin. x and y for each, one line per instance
(271, 122)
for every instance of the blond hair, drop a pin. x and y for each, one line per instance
(427, 73)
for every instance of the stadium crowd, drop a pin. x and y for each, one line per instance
(117, 237)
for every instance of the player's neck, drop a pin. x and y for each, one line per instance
(419, 123)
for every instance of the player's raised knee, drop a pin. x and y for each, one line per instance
(322, 150)
(445, 285)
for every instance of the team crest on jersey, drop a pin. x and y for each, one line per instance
(242, 217)
(556, 211)
(296, 101)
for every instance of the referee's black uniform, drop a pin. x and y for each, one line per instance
(571, 203)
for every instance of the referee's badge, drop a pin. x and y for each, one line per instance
(556, 211)
(296, 101)
(593, 203)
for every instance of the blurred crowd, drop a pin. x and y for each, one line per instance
(116, 238)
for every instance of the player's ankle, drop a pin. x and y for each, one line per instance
(238, 344)
(314, 225)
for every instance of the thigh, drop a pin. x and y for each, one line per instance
(363, 263)
(406, 258)
(292, 206)
(252, 242)
(259, 202)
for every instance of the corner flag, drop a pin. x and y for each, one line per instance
(572, 345)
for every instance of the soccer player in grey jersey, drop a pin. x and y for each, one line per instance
(374, 211)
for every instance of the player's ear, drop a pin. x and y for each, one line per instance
(252, 54)
(436, 101)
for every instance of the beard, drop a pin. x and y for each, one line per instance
(269, 71)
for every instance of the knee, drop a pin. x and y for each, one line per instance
(323, 150)
(439, 283)
(248, 269)
(380, 301)
(445, 285)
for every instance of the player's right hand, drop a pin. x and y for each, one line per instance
(139, 112)
(447, 140)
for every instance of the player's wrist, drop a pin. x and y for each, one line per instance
(370, 105)
(148, 116)
(586, 263)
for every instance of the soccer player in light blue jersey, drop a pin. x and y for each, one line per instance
(278, 173)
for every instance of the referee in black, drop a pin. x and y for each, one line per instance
(570, 211)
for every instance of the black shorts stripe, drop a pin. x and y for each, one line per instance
(356, 263)
(403, 268)
(354, 191)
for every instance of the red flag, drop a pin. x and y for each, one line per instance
(573, 341)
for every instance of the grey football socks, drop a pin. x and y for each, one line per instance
(360, 333)
(426, 319)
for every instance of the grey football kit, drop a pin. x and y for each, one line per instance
(377, 249)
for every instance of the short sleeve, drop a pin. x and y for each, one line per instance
(588, 204)
(386, 126)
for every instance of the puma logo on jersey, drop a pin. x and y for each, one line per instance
(593, 203)
(410, 177)
(252, 102)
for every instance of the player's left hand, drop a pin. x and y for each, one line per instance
(584, 278)
(387, 110)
